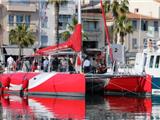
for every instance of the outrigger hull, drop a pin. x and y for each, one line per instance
(130, 84)
(63, 84)
(119, 84)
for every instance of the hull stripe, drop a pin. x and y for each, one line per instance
(39, 79)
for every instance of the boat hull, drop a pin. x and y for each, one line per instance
(53, 83)
(114, 84)
(129, 84)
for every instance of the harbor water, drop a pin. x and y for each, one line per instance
(90, 108)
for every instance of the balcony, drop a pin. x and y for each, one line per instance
(32, 27)
(27, 7)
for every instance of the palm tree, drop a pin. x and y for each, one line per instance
(57, 6)
(122, 27)
(21, 36)
(121, 24)
(66, 34)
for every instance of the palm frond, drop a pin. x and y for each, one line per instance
(21, 36)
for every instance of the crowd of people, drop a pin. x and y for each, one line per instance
(29, 64)
(93, 65)
(23, 64)
(62, 64)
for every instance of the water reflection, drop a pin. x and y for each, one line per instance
(93, 108)
(14, 107)
(122, 108)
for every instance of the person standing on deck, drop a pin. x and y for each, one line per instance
(26, 65)
(94, 65)
(45, 64)
(150, 47)
(10, 61)
(86, 65)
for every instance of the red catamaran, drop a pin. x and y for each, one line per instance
(56, 83)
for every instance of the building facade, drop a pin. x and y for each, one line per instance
(40, 18)
(144, 27)
(146, 24)
(13, 13)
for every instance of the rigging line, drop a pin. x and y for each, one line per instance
(123, 88)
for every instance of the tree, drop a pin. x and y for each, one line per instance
(21, 36)
(57, 3)
(70, 28)
(122, 25)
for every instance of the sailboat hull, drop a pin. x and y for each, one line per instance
(115, 84)
(44, 83)
(131, 84)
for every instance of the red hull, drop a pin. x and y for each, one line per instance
(132, 84)
(45, 83)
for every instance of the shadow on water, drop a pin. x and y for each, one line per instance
(94, 107)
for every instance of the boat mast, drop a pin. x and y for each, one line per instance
(79, 22)
(107, 33)
(79, 11)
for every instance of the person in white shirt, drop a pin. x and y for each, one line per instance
(10, 62)
(150, 47)
(86, 65)
(45, 65)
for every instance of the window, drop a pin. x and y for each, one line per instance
(155, 25)
(145, 42)
(27, 20)
(151, 61)
(157, 62)
(11, 20)
(136, 10)
(44, 40)
(144, 25)
(90, 26)
(134, 43)
(134, 24)
(90, 44)
(44, 22)
(19, 1)
(64, 18)
(19, 19)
